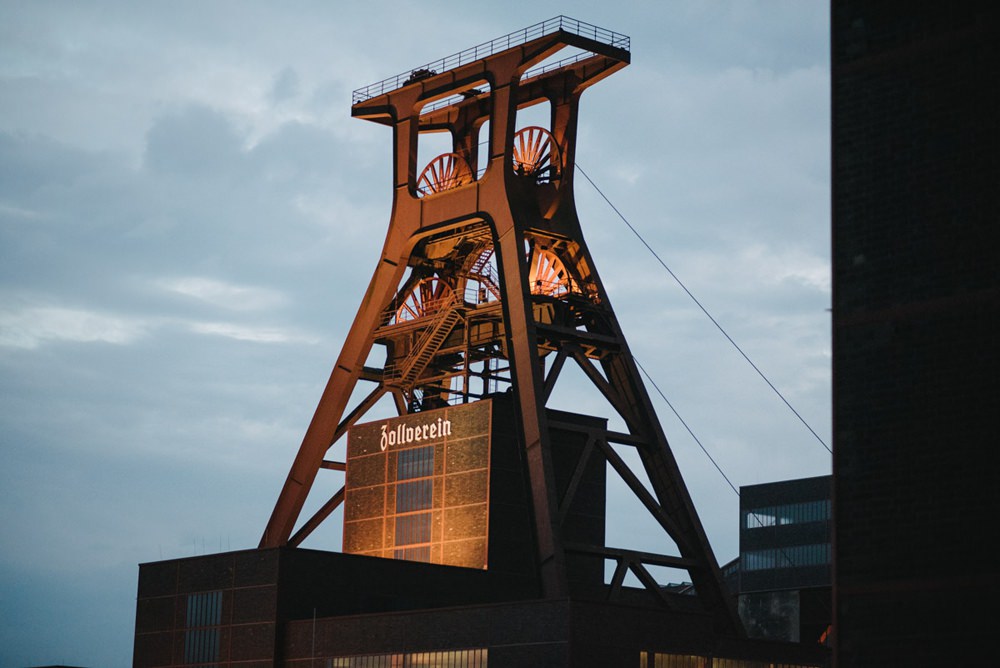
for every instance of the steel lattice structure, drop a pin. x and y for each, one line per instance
(485, 283)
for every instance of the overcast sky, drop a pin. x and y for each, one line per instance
(189, 218)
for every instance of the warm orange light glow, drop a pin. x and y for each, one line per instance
(548, 275)
(428, 296)
(535, 153)
(447, 171)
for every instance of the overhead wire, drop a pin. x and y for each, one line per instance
(678, 416)
(752, 514)
(707, 314)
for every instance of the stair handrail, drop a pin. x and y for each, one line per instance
(399, 372)
(424, 344)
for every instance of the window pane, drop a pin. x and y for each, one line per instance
(412, 529)
(415, 495)
(415, 463)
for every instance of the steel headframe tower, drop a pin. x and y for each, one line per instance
(485, 285)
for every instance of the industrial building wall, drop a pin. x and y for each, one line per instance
(450, 486)
(418, 487)
(916, 315)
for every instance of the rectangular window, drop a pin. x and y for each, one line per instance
(788, 557)
(678, 661)
(459, 658)
(419, 553)
(415, 463)
(738, 663)
(411, 529)
(658, 660)
(414, 495)
(201, 639)
(791, 513)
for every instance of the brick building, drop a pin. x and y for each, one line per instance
(296, 607)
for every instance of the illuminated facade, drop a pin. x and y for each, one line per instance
(418, 487)
(447, 486)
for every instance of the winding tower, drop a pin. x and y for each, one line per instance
(485, 286)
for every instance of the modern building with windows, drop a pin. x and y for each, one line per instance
(783, 575)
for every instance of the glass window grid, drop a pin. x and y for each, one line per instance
(414, 495)
(458, 658)
(201, 639)
(792, 556)
(418, 553)
(412, 529)
(791, 513)
(414, 491)
(662, 660)
(415, 463)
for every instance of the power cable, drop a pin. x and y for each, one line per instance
(705, 311)
(753, 514)
(678, 416)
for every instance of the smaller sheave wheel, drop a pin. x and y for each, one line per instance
(536, 154)
(425, 297)
(447, 171)
(548, 275)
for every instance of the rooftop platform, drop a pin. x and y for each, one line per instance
(557, 24)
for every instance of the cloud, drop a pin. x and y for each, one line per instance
(764, 267)
(286, 86)
(804, 269)
(194, 141)
(249, 333)
(18, 213)
(224, 295)
(30, 327)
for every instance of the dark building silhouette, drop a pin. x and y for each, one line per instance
(297, 607)
(916, 315)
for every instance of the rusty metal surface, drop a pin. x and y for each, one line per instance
(483, 276)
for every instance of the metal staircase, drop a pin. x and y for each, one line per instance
(405, 374)
(484, 273)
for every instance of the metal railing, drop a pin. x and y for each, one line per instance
(565, 286)
(399, 313)
(542, 69)
(481, 284)
(485, 49)
(441, 104)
